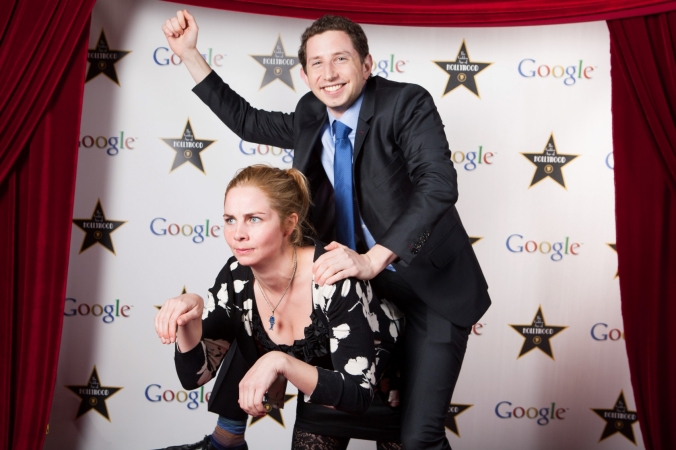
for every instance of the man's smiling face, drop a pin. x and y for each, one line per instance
(335, 73)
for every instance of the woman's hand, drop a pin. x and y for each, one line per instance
(258, 380)
(179, 312)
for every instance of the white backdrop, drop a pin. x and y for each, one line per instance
(513, 114)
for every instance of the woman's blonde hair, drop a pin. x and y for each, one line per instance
(287, 190)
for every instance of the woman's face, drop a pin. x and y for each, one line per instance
(253, 229)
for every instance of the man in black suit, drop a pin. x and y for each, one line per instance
(384, 188)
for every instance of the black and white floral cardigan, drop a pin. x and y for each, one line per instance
(350, 339)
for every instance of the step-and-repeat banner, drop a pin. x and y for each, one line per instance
(527, 115)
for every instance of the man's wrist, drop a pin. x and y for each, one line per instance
(190, 55)
(380, 257)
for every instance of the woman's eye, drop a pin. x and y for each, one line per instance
(229, 221)
(255, 219)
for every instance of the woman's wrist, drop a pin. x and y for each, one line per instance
(282, 364)
(299, 373)
(188, 335)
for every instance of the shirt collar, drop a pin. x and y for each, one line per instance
(349, 117)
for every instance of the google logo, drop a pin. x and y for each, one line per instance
(514, 245)
(111, 142)
(158, 228)
(614, 334)
(385, 67)
(266, 150)
(108, 313)
(610, 161)
(191, 399)
(472, 158)
(161, 59)
(543, 415)
(527, 69)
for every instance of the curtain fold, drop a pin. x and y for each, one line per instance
(459, 13)
(644, 140)
(43, 59)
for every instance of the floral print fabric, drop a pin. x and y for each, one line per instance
(350, 339)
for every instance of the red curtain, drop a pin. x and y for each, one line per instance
(43, 47)
(643, 61)
(444, 13)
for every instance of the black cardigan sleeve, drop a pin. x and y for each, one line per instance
(200, 364)
(349, 387)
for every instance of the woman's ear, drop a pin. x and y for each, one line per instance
(291, 223)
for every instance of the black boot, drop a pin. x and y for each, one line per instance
(204, 444)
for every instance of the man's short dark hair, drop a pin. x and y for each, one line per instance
(334, 23)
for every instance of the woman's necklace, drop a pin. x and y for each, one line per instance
(260, 287)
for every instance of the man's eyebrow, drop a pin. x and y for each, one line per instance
(339, 52)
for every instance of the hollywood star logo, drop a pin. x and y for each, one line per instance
(277, 65)
(188, 148)
(537, 334)
(454, 411)
(102, 60)
(549, 163)
(93, 395)
(462, 71)
(274, 413)
(614, 247)
(618, 420)
(98, 229)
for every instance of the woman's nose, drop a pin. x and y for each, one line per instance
(240, 232)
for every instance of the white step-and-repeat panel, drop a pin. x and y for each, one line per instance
(527, 115)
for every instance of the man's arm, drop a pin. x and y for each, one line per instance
(181, 33)
(421, 137)
(250, 124)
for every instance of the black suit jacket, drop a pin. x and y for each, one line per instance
(405, 183)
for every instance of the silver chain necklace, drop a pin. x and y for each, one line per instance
(260, 288)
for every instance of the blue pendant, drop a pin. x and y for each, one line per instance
(272, 321)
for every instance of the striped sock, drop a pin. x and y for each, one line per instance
(229, 434)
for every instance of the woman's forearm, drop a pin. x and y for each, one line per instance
(189, 335)
(299, 373)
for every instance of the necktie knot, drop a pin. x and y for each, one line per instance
(340, 130)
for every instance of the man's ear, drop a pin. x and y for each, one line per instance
(367, 66)
(303, 75)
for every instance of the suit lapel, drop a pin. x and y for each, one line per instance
(365, 114)
(310, 141)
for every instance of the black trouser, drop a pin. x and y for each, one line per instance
(434, 350)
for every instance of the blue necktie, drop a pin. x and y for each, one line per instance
(342, 185)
